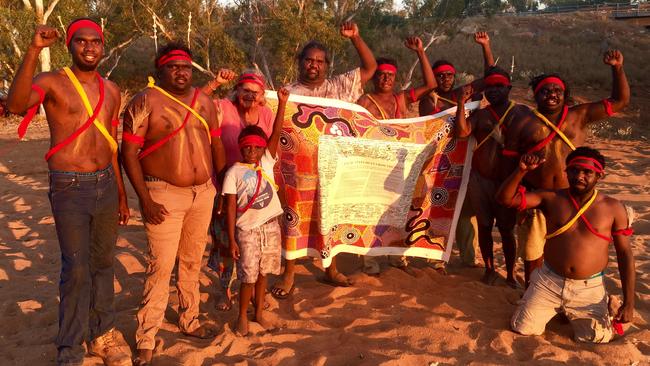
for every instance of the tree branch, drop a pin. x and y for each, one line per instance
(49, 10)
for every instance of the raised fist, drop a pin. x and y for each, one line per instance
(349, 29)
(45, 36)
(414, 43)
(481, 38)
(224, 76)
(530, 162)
(613, 58)
(283, 95)
(464, 93)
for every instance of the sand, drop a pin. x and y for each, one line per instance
(393, 319)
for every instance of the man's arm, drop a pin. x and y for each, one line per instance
(463, 125)
(620, 96)
(483, 39)
(21, 96)
(283, 97)
(509, 194)
(218, 151)
(415, 44)
(136, 124)
(124, 212)
(625, 260)
(223, 76)
(368, 64)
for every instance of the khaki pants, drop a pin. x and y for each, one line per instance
(182, 234)
(531, 235)
(583, 301)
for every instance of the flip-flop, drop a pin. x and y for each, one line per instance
(280, 293)
(224, 305)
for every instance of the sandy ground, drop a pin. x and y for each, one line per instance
(393, 319)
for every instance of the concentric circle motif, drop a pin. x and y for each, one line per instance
(388, 131)
(290, 217)
(286, 142)
(350, 236)
(439, 196)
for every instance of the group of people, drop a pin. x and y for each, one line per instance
(196, 163)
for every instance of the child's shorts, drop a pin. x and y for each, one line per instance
(259, 251)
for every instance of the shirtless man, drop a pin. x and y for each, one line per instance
(383, 102)
(552, 131)
(172, 152)
(313, 65)
(488, 126)
(582, 223)
(86, 189)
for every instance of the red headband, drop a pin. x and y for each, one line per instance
(252, 140)
(82, 23)
(387, 67)
(172, 56)
(496, 79)
(597, 167)
(444, 68)
(251, 78)
(549, 80)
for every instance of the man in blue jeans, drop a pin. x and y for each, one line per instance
(86, 188)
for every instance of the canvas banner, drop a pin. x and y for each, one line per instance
(351, 183)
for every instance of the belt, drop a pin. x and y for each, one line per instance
(95, 176)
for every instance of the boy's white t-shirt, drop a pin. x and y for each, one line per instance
(242, 181)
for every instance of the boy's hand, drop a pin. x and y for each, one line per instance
(625, 313)
(234, 250)
(464, 93)
(530, 162)
(349, 30)
(414, 43)
(45, 36)
(613, 58)
(482, 38)
(283, 95)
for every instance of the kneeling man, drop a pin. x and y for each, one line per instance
(581, 223)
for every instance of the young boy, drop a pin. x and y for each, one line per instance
(252, 210)
(581, 223)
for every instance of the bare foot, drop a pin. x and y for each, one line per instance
(489, 277)
(337, 279)
(242, 326)
(263, 320)
(143, 358)
(224, 303)
(511, 282)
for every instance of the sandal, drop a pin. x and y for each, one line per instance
(280, 293)
(202, 332)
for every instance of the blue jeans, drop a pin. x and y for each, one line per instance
(85, 209)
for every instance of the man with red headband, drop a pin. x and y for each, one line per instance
(246, 106)
(581, 222)
(443, 95)
(86, 188)
(252, 211)
(488, 126)
(172, 153)
(383, 102)
(313, 65)
(552, 131)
